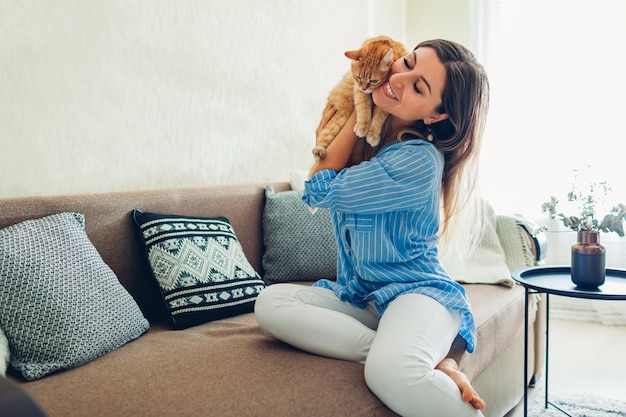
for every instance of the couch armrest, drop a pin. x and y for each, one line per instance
(524, 242)
(16, 402)
(525, 245)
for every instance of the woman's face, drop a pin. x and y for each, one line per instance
(413, 91)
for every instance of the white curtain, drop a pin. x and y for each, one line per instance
(558, 101)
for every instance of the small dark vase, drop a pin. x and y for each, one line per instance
(588, 261)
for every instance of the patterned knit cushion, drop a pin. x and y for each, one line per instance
(515, 234)
(199, 266)
(62, 306)
(299, 245)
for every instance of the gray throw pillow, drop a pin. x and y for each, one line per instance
(299, 245)
(62, 306)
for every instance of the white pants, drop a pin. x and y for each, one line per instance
(399, 350)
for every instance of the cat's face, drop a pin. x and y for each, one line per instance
(370, 66)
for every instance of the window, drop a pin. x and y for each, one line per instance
(558, 98)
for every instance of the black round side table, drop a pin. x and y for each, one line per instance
(556, 280)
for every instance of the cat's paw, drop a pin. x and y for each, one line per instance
(360, 129)
(319, 153)
(372, 139)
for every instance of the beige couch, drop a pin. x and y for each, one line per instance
(229, 367)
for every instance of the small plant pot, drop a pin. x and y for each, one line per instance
(588, 261)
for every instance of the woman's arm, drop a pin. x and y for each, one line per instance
(340, 149)
(403, 176)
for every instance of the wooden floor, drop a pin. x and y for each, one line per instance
(586, 358)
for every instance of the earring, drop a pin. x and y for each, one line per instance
(430, 135)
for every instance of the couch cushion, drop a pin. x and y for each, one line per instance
(223, 368)
(62, 306)
(276, 379)
(299, 243)
(499, 315)
(199, 266)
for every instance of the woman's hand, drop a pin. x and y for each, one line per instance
(339, 151)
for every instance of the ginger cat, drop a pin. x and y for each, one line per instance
(370, 69)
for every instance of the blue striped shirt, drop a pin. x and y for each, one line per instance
(385, 213)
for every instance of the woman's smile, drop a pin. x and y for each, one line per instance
(389, 92)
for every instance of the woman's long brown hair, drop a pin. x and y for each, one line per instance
(465, 99)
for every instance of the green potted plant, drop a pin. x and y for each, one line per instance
(588, 255)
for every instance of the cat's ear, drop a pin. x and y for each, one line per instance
(388, 58)
(354, 55)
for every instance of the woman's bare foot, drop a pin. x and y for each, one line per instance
(449, 367)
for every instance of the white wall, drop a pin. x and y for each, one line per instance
(111, 95)
(447, 19)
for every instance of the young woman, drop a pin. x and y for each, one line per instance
(393, 306)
